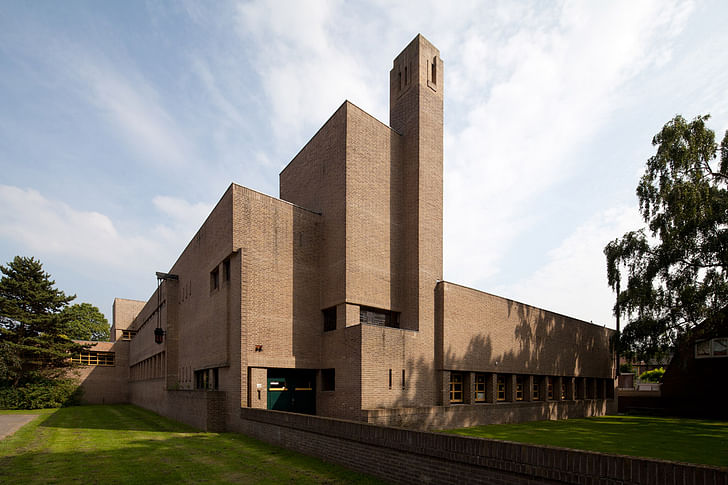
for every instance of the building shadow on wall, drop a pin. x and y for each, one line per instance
(544, 344)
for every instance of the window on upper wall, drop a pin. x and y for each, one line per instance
(456, 387)
(128, 334)
(717, 347)
(226, 270)
(479, 393)
(94, 357)
(434, 70)
(403, 381)
(329, 319)
(375, 316)
(215, 278)
(328, 379)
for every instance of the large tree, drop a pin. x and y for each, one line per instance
(671, 275)
(84, 322)
(32, 342)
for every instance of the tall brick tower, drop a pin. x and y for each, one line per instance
(415, 112)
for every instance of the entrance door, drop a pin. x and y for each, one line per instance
(292, 390)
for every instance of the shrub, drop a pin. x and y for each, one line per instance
(654, 375)
(626, 368)
(41, 393)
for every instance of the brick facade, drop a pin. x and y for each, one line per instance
(335, 292)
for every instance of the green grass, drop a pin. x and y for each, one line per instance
(28, 411)
(686, 440)
(127, 444)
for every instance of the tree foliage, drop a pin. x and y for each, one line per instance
(32, 343)
(84, 322)
(671, 275)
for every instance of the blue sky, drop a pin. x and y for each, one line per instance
(122, 124)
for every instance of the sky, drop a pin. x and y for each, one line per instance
(123, 123)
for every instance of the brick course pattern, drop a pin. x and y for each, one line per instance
(415, 457)
(357, 229)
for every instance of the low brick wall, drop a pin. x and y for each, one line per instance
(463, 415)
(406, 456)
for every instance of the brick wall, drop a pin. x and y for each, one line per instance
(448, 417)
(405, 456)
(106, 384)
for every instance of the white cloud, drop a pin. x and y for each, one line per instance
(133, 108)
(90, 240)
(573, 281)
(551, 87)
(305, 66)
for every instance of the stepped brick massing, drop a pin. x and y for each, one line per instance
(330, 300)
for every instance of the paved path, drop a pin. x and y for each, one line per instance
(10, 423)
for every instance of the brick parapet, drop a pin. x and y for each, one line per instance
(407, 456)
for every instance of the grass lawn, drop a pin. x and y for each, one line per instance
(686, 440)
(127, 444)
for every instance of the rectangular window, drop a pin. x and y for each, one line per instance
(329, 319)
(720, 347)
(226, 270)
(403, 381)
(202, 379)
(536, 391)
(501, 388)
(717, 347)
(563, 390)
(390, 378)
(550, 389)
(94, 357)
(479, 392)
(215, 279)
(375, 316)
(328, 379)
(519, 388)
(456, 387)
(128, 334)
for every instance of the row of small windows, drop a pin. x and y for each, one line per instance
(541, 388)
(367, 316)
(717, 347)
(150, 368)
(94, 357)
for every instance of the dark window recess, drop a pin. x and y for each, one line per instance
(329, 319)
(207, 379)
(328, 379)
(215, 279)
(390, 378)
(226, 269)
(375, 316)
(403, 381)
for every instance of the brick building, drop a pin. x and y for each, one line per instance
(331, 300)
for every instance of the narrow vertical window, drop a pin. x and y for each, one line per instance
(434, 70)
(329, 319)
(406, 79)
(390, 378)
(501, 388)
(456, 387)
(214, 279)
(403, 379)
(479, 388)
(226, 269)
(399, 75)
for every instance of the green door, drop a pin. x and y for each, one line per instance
(279, 396)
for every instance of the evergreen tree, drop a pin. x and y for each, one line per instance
(32, 343)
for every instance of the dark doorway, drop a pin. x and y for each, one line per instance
(292, 390)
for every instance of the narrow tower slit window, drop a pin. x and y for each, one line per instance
(403, 381)
(390, 378)
(434, 70)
